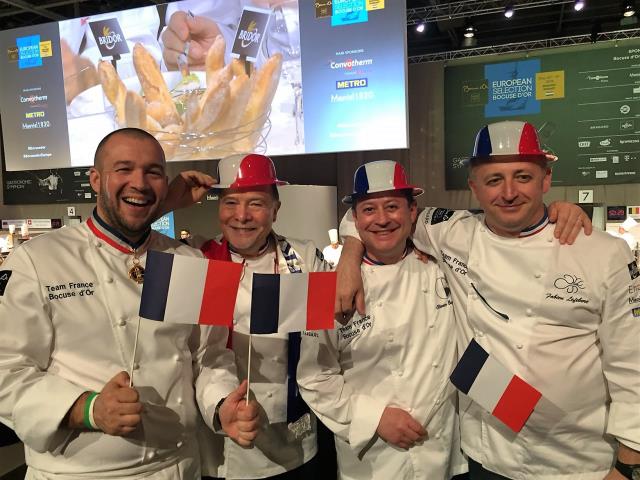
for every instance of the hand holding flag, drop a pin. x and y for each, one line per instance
(117, 408)
(239, 419)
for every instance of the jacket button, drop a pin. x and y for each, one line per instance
(122, 322)
(529, 312)
(179, 444)
(109, 279)
(538, 275)
(519, 346)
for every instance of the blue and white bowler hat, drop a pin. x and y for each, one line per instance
(509, 141)
(380, 176)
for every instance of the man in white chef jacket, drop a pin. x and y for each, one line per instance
(249, 202)
(380, 382)
(69, 305)
(563, 318)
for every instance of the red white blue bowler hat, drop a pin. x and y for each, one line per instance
(380, 176)
(246, 170)
(509, 141)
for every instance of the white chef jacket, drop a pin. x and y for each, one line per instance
(572, 333)
(68, 319)
(332, 255)
(275, 450)
(400, 354)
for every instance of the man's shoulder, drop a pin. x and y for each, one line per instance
(305, 248)
(440, 217)
(60, 237)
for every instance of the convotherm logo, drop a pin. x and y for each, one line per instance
(349, 64)
(109, 37)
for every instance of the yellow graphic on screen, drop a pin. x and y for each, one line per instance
(375, 4)
(550, 85)
(45, 49)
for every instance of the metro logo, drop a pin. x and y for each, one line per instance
(354, 83)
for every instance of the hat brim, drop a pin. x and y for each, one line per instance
(220, 186)
(545, 158)
(348, 199)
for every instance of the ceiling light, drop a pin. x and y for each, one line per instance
(509, 10)
(628, 9)
(421, 27)
(469, 31)
(578, 5)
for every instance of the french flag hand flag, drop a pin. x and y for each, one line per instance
(488, 383)
(293, 302)
(181, 289)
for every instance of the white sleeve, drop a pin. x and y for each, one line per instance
(33, 401)
(619, 335)
(352, 416)
(214, 369)
(432, 226)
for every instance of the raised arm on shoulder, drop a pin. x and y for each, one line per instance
(350, 292)
(187, 188)
(570, 219)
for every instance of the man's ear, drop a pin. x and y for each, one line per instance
(472, 186)
(276, 207)
(94, 180)
(413, 211)
(546, 181)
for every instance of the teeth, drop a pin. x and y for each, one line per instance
(135, 201)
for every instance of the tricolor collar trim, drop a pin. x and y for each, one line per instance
(538, 227)
(367, 260)
(111, 236)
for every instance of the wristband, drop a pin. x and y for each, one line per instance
(88, 420)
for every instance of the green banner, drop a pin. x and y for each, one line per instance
(585, 104)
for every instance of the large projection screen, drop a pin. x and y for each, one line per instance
(303, 77)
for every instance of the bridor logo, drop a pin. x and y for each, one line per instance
(109, 37)
(250, 35)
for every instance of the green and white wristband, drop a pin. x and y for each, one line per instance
(88, 419)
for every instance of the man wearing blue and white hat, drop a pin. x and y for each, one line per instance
(564, 319)
(380, 381)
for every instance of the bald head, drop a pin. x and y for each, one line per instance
(136, 133)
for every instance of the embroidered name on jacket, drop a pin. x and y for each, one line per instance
(569, 286)
(69, 290)
(355, 327)
(455, 264)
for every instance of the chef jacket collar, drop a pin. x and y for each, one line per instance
(113, 237)
(538, 227)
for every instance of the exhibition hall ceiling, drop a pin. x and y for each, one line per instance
(445, 21)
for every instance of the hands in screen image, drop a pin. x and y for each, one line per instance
(79, 72)
(399, 428)
(239, 420)
(199, 31)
